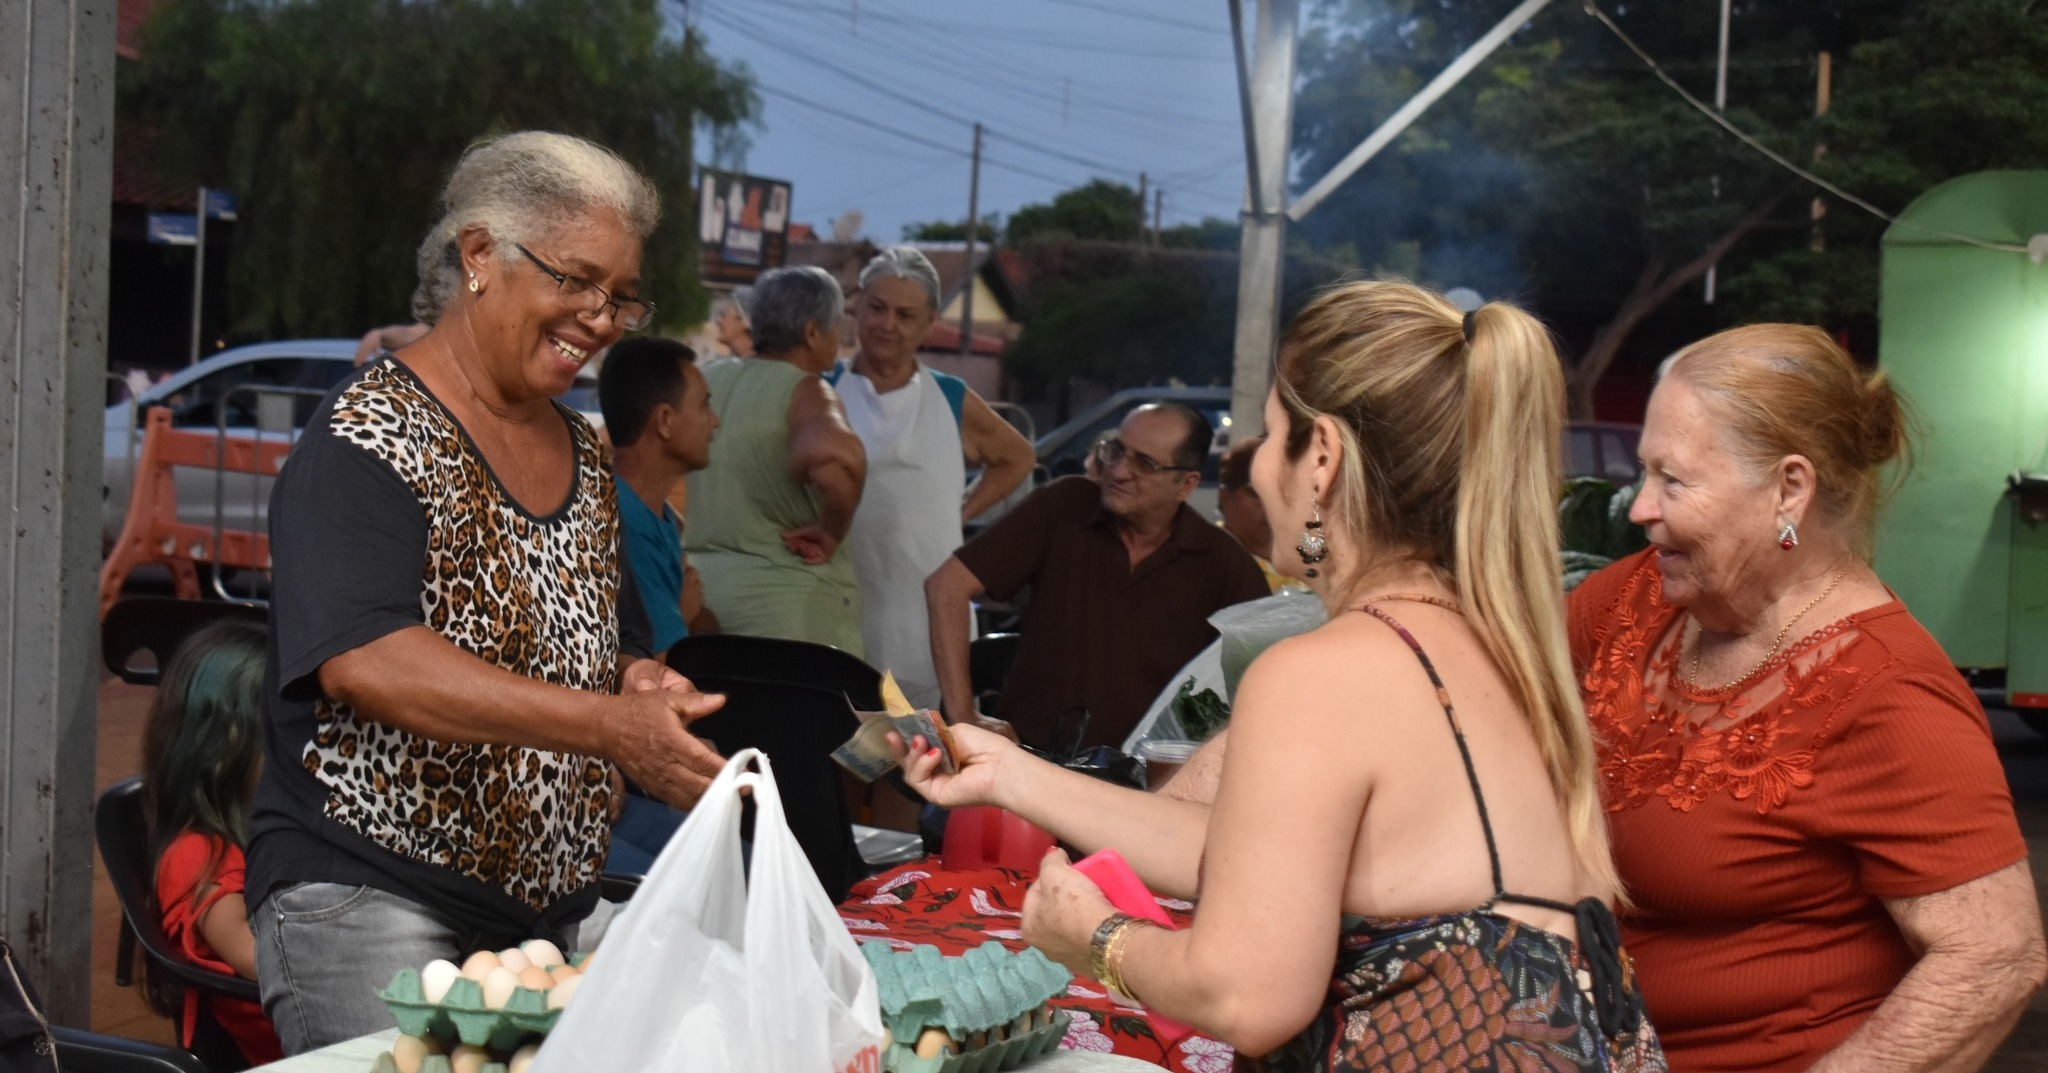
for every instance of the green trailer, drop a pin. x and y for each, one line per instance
(1964, 334)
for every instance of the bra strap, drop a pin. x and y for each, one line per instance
(1443, 697)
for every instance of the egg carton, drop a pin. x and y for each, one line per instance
(462, 1016)
(1009, 1053)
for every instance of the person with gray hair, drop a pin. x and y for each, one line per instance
(922, 429)
(457, 654)
(770, 513)
(731, 325)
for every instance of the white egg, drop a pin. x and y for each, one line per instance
(498, 987)
(542, 953)
(563, 992)
(436, 978)
(407, 1052)
(522, 1059)
(479, 965)
(468, 1059)
(511, 958)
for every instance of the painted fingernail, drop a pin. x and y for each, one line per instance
(934, 751)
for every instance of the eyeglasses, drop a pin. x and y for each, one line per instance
(584, 296)
(1110, 450)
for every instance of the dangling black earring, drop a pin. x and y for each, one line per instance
(1312, 547)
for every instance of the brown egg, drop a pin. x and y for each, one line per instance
(407, 1052)
(934, 1041)
(536, 978)
(562, 973)
(479, 965)
(468, 1059)
(563, 992)
(498, 987)
(522, 1059)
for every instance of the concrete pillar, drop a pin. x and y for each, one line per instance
(56, 193)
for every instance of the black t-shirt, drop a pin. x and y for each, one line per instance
(385, 516)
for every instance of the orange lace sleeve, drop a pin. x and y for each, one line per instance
(1589, 609)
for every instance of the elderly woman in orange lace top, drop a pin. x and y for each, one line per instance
(1805, 802)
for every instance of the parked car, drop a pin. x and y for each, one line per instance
(195, 396)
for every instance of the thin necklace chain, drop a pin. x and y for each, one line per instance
(1692, 678)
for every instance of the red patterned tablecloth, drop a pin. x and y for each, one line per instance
(920, 903)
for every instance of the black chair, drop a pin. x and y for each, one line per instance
(122, 834)
(989, 659)
(797, 726)
(772, 659)
(158, 625)
(79, 1051)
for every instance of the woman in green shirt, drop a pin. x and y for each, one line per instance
(769, 514)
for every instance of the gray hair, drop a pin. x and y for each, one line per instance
(739, 299)
(520, 185)
(787, 299)
(904, 262)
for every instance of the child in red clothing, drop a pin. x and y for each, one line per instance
(201, 754)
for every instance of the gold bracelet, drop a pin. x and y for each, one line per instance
(1113, 956)
(1098, 944)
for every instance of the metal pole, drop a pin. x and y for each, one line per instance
(1720, 105)
(198, 277)
(1158, 212)
(1271, 106)
(973, 224)
(56, 197)
(1379, 139)
(1144, 195)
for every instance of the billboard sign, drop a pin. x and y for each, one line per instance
(742, 225)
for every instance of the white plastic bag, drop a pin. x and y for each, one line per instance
(705, 971)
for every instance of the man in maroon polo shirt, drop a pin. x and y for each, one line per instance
(1123, 578)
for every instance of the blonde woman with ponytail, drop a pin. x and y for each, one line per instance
(1405, 864)
(1815, 830)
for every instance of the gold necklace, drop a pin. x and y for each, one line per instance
(1692, 679)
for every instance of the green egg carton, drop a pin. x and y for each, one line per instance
(986, 989)
(1006, 1054)
(462, 1016)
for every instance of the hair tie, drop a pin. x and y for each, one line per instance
(1469, 316)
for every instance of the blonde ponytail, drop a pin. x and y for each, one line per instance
(1451, 457)
(1507, 561)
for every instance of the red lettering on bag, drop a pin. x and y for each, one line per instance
(869, 1060)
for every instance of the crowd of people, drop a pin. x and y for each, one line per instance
(1724, 807)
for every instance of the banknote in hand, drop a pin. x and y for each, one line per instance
(867, 753)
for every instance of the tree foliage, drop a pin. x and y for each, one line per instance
(1564, 174)
(988, 231)
(335, 122)
(1100, 211)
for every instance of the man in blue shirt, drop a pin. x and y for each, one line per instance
(657, 410)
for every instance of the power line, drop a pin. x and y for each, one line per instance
(771, 40)
(920, 139)
(1720, 120)
(1159, 20)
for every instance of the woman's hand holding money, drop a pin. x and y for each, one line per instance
(978, 756)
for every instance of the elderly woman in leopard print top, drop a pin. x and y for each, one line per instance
(456, 668)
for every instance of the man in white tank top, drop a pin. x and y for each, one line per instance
(922, 429)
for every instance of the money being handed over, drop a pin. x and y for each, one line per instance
(867, 753)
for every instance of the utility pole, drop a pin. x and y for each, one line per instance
(198, 277)
(56, 193)
(1144, 195)
(973, 225)
(1158, 210)
(1720, 105)
(1821, 95)
(1265, 85)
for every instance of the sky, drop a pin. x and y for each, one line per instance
(868, 104)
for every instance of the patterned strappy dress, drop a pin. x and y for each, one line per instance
(1476, 990)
